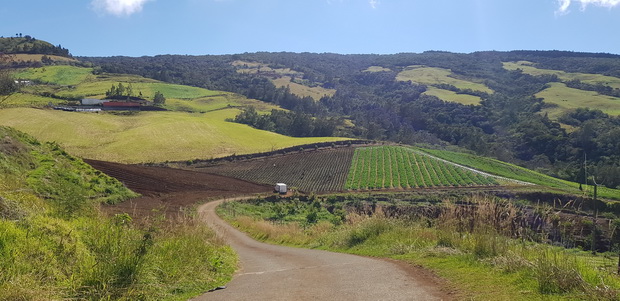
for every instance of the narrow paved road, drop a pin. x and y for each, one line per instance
(270, 272)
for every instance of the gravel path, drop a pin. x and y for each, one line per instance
(270, 272)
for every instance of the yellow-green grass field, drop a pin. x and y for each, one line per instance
(147, 136)
(565, 98)
(300, 90)
(217, 102)
(528, 68)
(432, 76)
(28, 100)
(377, 69)
(59, 75)
(451, 96)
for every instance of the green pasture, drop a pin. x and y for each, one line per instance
(59, 75)
(148, 136)
(451, 96)
(528, 68)
(30, 100)
(432, 76)
(564, 98)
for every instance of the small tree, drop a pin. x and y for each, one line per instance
(159, 99)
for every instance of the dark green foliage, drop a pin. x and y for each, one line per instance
(294, 124)
(159, 99)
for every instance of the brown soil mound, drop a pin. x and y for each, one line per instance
(168, 190)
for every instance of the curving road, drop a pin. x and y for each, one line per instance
(270, 272)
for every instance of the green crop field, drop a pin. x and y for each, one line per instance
(148, 136)
(527, 67)
(564, 98)
(399, 167)
(451, 96)
(433, 76)
(511, 171)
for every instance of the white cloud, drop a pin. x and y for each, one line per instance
(119, 7)
(564, 4)
(373, 3)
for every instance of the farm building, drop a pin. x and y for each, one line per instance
(92, 101)
(121, 106)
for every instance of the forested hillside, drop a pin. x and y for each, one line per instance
(510, 119)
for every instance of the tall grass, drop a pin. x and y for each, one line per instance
(483, 244)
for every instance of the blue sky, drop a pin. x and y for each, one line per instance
(151, 27)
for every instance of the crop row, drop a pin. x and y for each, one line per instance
(399, 167)
(308, 171)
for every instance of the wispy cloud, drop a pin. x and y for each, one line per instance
(119, 7)
(565, 4)
(374, 3)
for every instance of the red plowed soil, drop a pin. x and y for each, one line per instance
(168, 190)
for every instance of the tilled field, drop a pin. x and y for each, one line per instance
(167, 190)
(309, 171)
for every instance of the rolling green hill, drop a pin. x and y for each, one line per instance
(143, 137)
(148, 136)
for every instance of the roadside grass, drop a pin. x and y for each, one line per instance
(589, 78)
(59, 75)
(56, 245)
(451, 96)
(470, 247)
(564, 98)
(433, 76)
(132, 138)
(301, 90)
(512, 171)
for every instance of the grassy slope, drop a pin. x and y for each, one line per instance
(54, 244)
(300, 90)
(174, 135)
(507, 170)
(448, 95)
(528, 68)
(59, 75)
(432, 76)
(148, 136)
(565, 98)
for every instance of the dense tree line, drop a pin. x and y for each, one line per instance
(296, 124)
(507, 124)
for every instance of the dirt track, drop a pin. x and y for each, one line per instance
(270, 272)
(167, 189)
